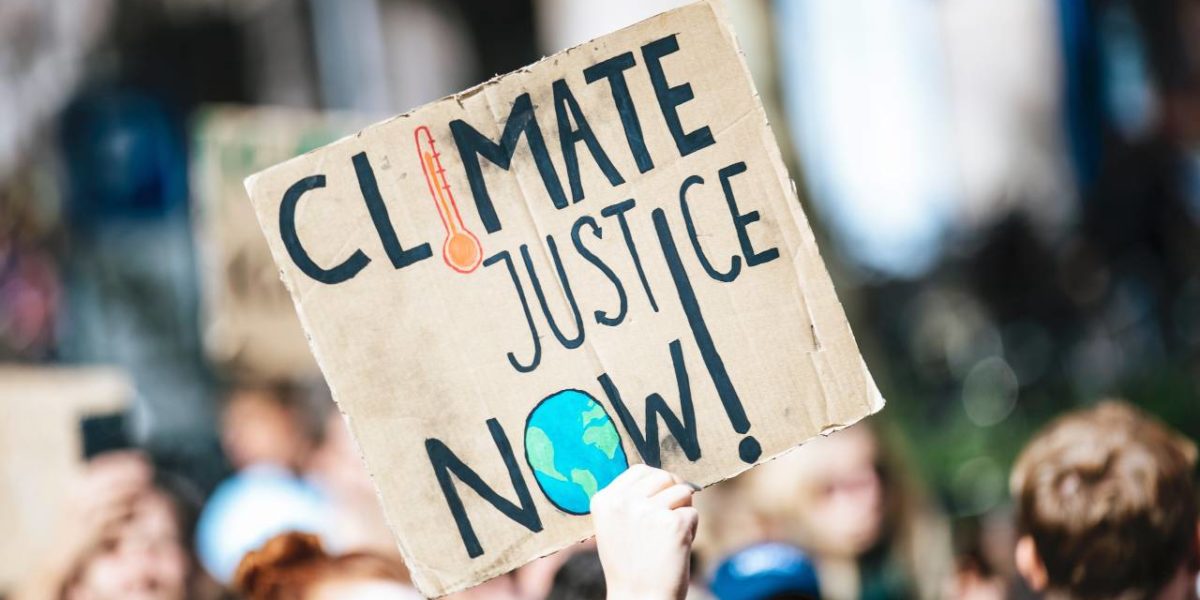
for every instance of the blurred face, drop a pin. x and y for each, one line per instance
(336, 463)
(143, 560)
(842, 498)
(257, 429)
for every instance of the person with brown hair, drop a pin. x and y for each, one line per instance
(277, 422)
(295, 566)
(125, 535)
(1106, 508)
(851, 504)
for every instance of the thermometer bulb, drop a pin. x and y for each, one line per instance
(461, 249)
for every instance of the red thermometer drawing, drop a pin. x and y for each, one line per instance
(461, 249)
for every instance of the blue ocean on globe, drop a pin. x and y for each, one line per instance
(573, 448)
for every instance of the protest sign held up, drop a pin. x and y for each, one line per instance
(250, 329)
(42, 450)
(516, 292)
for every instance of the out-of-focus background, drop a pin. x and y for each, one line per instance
(1007, 194)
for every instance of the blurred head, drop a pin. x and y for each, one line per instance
(250, 508)
(766, 572)
(579, 578)
(830, 492)
(295, 566)
(535, 579)
(145, 557)
(267, 423)
(1106, 507)
(354, 513)
(336, 462)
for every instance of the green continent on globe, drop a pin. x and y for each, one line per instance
(573, 448)
(585, 480)
(602, 436)
(541, 453)
(593, 413)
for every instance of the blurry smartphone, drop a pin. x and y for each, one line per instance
(105, 433)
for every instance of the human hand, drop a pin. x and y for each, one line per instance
(645, 525)
(100, 500)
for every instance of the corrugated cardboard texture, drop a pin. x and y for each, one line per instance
(437, 360)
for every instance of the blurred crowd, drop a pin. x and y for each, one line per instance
(1007, 195)
(1105, 506)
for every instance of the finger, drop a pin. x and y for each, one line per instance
(123, 470)
(676, 496)
(113, 457)
(626, 479)
(121, 493)
(691, 519)
(120, 463)
(618, 484)
(103, 524)
(651, 484)
(126, 485)
(110, 521)
(99, 509)
(636, 473)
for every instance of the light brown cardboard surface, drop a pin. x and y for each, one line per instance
(250, 327)
(423, 359)
(41, 451)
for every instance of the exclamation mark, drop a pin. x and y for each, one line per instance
(748, 449)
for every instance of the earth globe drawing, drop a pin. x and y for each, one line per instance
(573, 448)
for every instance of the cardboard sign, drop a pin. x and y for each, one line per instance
(41, 452)
(517, 291)
(250, 327)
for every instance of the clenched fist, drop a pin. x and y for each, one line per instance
(645, 524)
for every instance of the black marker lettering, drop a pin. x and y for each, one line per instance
(647, 444)
(749, 449)
(566, 110)
(537, 341)
(735, 262)
(472, 145)
(379, 216)
(618, 210)
(445, 462)
(669, 98)
(602, 317)
(291, 240)
(742, 220)
(569, 343)
(613, 70)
